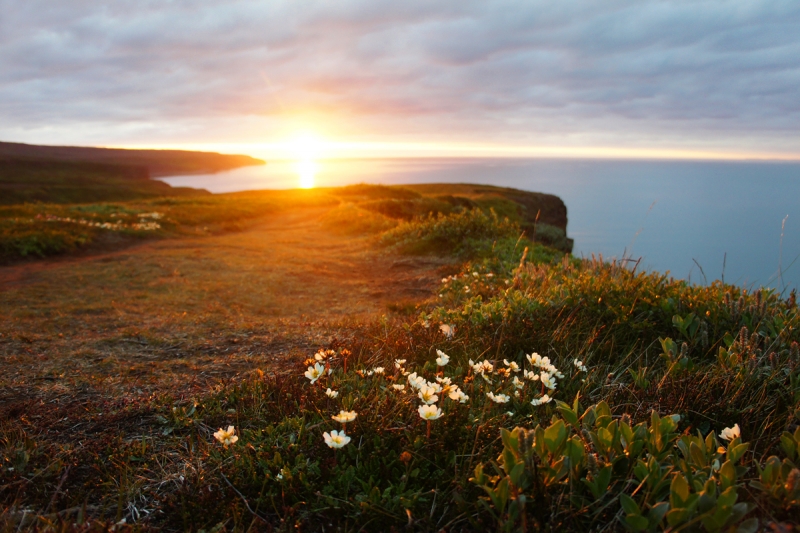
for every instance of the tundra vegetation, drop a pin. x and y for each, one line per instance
(532, 391)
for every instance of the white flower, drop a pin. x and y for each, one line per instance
(331, 393)
(513, 366)
(447, 329)
(457, 395)
(498, 398)
(534, 358)
(579, 365)
(314, 372)
(443, 358)
(320, 355)
(398, 387)
(379, 370)
(540, 401)
(518, 384)
(489, 275)
(484, 367)
(416, 381)
(429, 412)
(547, 380)
(345, 416)
(280, 476)
(443, 380)
(336, 439)
(731, 433)
(398, 363)
(433, 385)
(370, 372)
(428, 395)
(533, 376)
(475, 274)
(226, 437)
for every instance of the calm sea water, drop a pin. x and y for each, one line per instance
(699, 220)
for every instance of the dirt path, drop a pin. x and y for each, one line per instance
(184, 312)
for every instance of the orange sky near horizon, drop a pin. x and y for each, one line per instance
(312, 148)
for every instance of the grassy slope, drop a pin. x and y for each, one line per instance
(713, 356)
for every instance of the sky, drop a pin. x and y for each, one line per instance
(643, 78)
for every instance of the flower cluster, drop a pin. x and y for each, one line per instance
(113, 226)
(502, 384)
(467, 283)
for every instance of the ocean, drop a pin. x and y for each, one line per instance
(701, 221)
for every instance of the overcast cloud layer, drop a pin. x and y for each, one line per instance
(721, 75)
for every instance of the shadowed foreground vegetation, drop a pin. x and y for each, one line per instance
(532, 391)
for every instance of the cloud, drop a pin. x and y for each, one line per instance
(646, 73)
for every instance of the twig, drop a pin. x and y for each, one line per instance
(58, 490)
(705, 280)
(244, 500)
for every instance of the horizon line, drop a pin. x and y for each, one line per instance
(282, 151)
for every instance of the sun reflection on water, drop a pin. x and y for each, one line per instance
(306, 171)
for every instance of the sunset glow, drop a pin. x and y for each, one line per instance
(308, 148)
(313, 81)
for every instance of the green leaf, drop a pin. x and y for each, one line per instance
(788, 445)
(678, 492)
(727, 474)
(575, 451)
(748, 526)
(657, 513)
(735, 452)
(510, 439)
(605, 438)
(676, 516)
(603, 479)
(517, 474)
(569, 415)
(629, 505)
(636, 522)
(728, 497)
(554, 436)
(698, 456)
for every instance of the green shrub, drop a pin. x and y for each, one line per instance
(468, 233)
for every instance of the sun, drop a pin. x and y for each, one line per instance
(305, 150)
(306, 171)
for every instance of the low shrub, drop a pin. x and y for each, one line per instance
(467, 233)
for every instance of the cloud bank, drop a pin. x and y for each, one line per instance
(664, 74)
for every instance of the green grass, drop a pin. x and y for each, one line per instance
(630, 443)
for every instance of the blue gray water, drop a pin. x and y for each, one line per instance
(698, 220)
